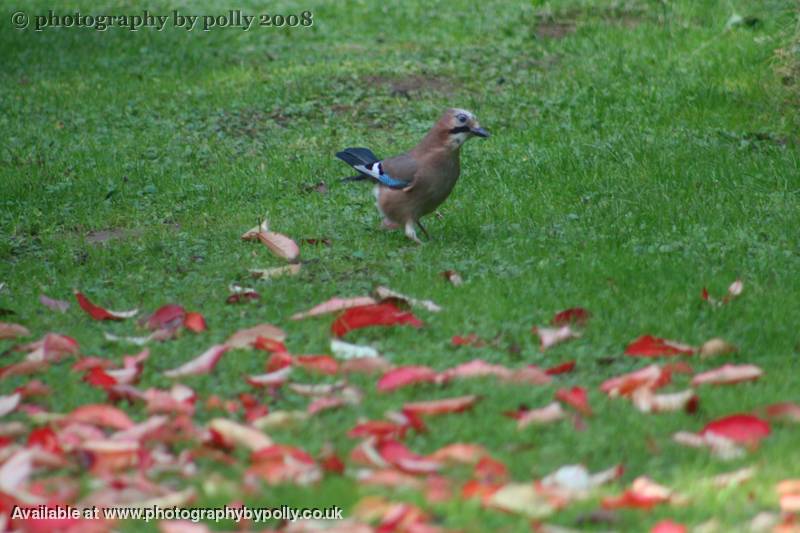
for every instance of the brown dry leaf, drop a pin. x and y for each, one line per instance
(280, 245)
(244, 338)
(334, 305)
(242, 435)
(275, 272)
(716, 346)
(646, 401)
(789, 493)
(252, 233)
(12, 331)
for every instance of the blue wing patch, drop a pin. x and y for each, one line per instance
(375, 170)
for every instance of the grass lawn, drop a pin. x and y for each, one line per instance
(640, 151)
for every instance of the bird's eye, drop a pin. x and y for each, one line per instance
(462, 117)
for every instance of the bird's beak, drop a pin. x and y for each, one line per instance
(480, 132)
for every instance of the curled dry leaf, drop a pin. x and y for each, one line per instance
(716, 346)
(12, 331)
(727, 375)
(275, 378)
(335, 305)
(246, 338)
(650, 377)
(202, 364)
(380, 314)
(275, 272)
(385, 293)
(646, 401)
(453, 277)
(551, 336)
(100, 313)
(649, 346)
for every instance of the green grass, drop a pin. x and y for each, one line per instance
(644, 155)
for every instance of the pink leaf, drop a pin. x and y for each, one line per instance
(335, 305)
(437, 407)
(476, 368)
(727, 374)
(549, 337)
(650, 377)
(203, 364)
(404, 376)
(169, 316)
(575, 397)
(649, 346)
(101, 415)
(280, 245)
(783, 411)
(56, 305)
(668, 526)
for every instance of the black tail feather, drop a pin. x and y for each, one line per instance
(357, 177)
(357, 156)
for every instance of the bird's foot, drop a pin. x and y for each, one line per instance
(411, 232)
(388, 224)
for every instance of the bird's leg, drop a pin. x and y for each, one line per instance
(411, 233)
(389, 224)
(423, 230)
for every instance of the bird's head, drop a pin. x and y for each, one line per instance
(460, 125)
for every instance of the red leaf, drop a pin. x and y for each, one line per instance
(380, 314)
(381, 429)
(784, 411)
(489, 470)
(194, 322)
(574, 315)
(397, 454)
(563, 368)
(650, 377)
(631, 499)
(240, 296)
(99, 313)
(727, 375)
(437, 407)
(469, 340)
(649, 346)
(101, 415)
(46, 438)
(272, 346)
(575, 397)
(97, 377)
(404, 376)
(741, 428)
(169, 316)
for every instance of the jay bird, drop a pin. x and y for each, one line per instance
(413, 184)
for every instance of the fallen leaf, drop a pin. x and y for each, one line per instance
(12, 331)
(551, 336)
(9, 403)
(245, 338)
(270, 379)
(380, 314)
(245, 436)
(563, 368)
(453, 277)
(668, 526)
(545, 415)
(648, 402)
(100, 415)
(469, 340)
(789, 495)
(475, 369)
(334, 305)
(727, 374)
(734, 290)
(275, 272)
(649, 346)
(575, 397)
(280, 245)
(437, 407)
(404, 376)
(99, 313)
(574, 315)
(397, 454)
(737, 477)
(786, 411)
(345, 350)
(324, 364)
(241, 294)
(56, 305)
(202, 364)
(385, 293)
(194, 322)
(643, 494)
(716, 346)
(521, 498)
(169, 316)
(741, 428)
(650, 377)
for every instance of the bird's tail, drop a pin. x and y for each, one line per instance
(357, 156)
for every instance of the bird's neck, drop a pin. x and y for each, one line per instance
(440, 140)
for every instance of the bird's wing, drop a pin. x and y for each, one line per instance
(402, 168)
